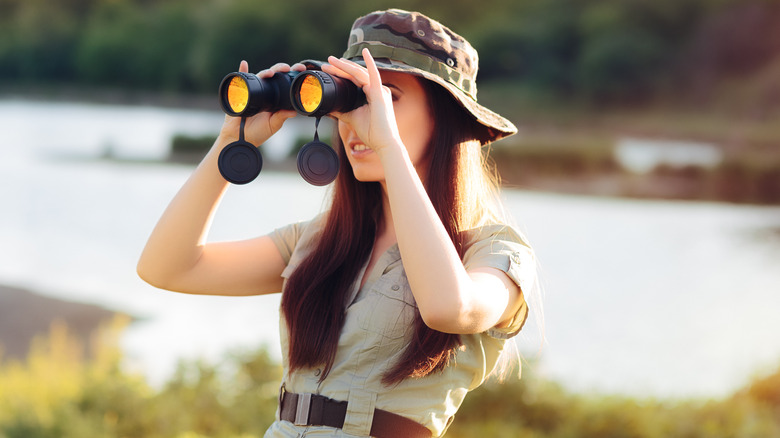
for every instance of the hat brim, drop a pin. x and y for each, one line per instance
(496, 126)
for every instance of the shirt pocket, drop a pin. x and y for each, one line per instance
(391, 308)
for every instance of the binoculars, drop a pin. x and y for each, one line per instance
(312, 93)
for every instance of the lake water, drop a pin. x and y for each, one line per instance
(669, 299)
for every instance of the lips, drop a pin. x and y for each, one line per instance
(359, 149)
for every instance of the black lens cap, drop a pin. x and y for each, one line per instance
(240, 162)
(318, 163)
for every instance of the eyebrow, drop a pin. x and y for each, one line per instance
(390, 85)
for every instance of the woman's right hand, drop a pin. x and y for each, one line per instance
(263, 125)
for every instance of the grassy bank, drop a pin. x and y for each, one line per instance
(574, 151)
(570, 145)
(586, 163)
(58, 392)
(25, 315)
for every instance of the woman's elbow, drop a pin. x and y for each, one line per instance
(452, 319)
(439, 322)
(145, 273)
(150, 274)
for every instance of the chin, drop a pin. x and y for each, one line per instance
(364, 173)
(367, 177)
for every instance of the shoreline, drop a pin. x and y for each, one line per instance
(553, 153)
(26, 315)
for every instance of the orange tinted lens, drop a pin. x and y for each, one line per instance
(237, 94)
(310, 94)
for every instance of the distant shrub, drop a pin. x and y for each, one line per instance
(189, 148)
(542, 156)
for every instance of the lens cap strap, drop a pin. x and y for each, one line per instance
(317, 129)
(240, 162)
(241, 129)
(318, 163)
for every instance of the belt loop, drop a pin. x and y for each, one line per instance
(360, 412)
(282, 391)
(302, 411)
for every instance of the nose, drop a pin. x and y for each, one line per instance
(346, 132)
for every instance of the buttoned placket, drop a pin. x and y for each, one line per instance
(390, 256)
(360, 417)
(361, 402)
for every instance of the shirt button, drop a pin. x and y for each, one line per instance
(395, 287)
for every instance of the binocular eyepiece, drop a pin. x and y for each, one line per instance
(311, 93)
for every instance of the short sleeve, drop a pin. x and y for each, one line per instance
(502, 247)
(287, 237)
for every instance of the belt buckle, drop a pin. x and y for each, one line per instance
(302, 409)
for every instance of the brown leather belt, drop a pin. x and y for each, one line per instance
(317, 410)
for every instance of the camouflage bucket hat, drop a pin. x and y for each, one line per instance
(410, 42)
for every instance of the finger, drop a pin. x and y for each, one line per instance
(298, 67)
(358, 72)
(375, 87)
(335, 71)
(280, 67)
(284, 114)
(276, 68)
(342, 117)
(243, 67)
(346, 62)
(374, 78)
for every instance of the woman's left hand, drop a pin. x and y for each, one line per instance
(375, 122)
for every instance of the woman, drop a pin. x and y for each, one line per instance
(399, 298)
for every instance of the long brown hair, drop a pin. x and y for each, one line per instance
(314, 299)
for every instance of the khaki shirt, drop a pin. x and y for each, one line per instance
(379, 324)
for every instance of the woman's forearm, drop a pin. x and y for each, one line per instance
(176, 242)
(447, 296)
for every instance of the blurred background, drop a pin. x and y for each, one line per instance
(646, 173)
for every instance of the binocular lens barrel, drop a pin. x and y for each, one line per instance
(312, 93)
(315, 93)
(244, 94)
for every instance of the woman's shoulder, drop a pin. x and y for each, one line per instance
(296, 234)
(495, 231)
(504, 247)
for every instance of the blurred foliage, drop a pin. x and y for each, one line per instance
(597, 50)
(58, 392)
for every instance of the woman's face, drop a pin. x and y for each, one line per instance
(415, 125)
